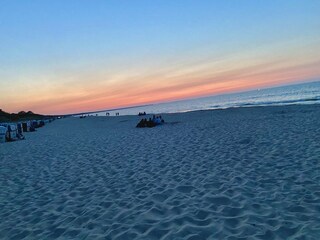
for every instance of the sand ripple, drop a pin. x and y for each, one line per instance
(234, 174)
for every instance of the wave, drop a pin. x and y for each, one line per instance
(268, 103)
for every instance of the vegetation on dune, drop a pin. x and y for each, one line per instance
(20, 116)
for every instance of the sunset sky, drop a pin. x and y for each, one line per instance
(73, 56)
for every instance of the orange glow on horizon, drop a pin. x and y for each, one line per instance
(93, 91)
(105, 100)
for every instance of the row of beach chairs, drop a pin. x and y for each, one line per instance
(15, 131)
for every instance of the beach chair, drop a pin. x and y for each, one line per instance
(41, 123)
(31, 126)
(20, 128)
(12, 132)
(3, 133)
(25, 127)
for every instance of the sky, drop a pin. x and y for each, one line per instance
(59, 57)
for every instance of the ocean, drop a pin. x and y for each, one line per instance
(304, 93)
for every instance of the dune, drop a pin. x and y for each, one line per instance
(241, 173)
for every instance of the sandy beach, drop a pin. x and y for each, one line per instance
(242, 173)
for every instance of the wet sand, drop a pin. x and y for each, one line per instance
(243, 173)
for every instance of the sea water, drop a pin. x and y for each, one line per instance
(304, 93)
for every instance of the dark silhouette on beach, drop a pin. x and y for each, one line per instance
(156, 120)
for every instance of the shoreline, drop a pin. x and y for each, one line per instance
(203, 110)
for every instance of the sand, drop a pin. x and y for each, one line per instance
(245, 173)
